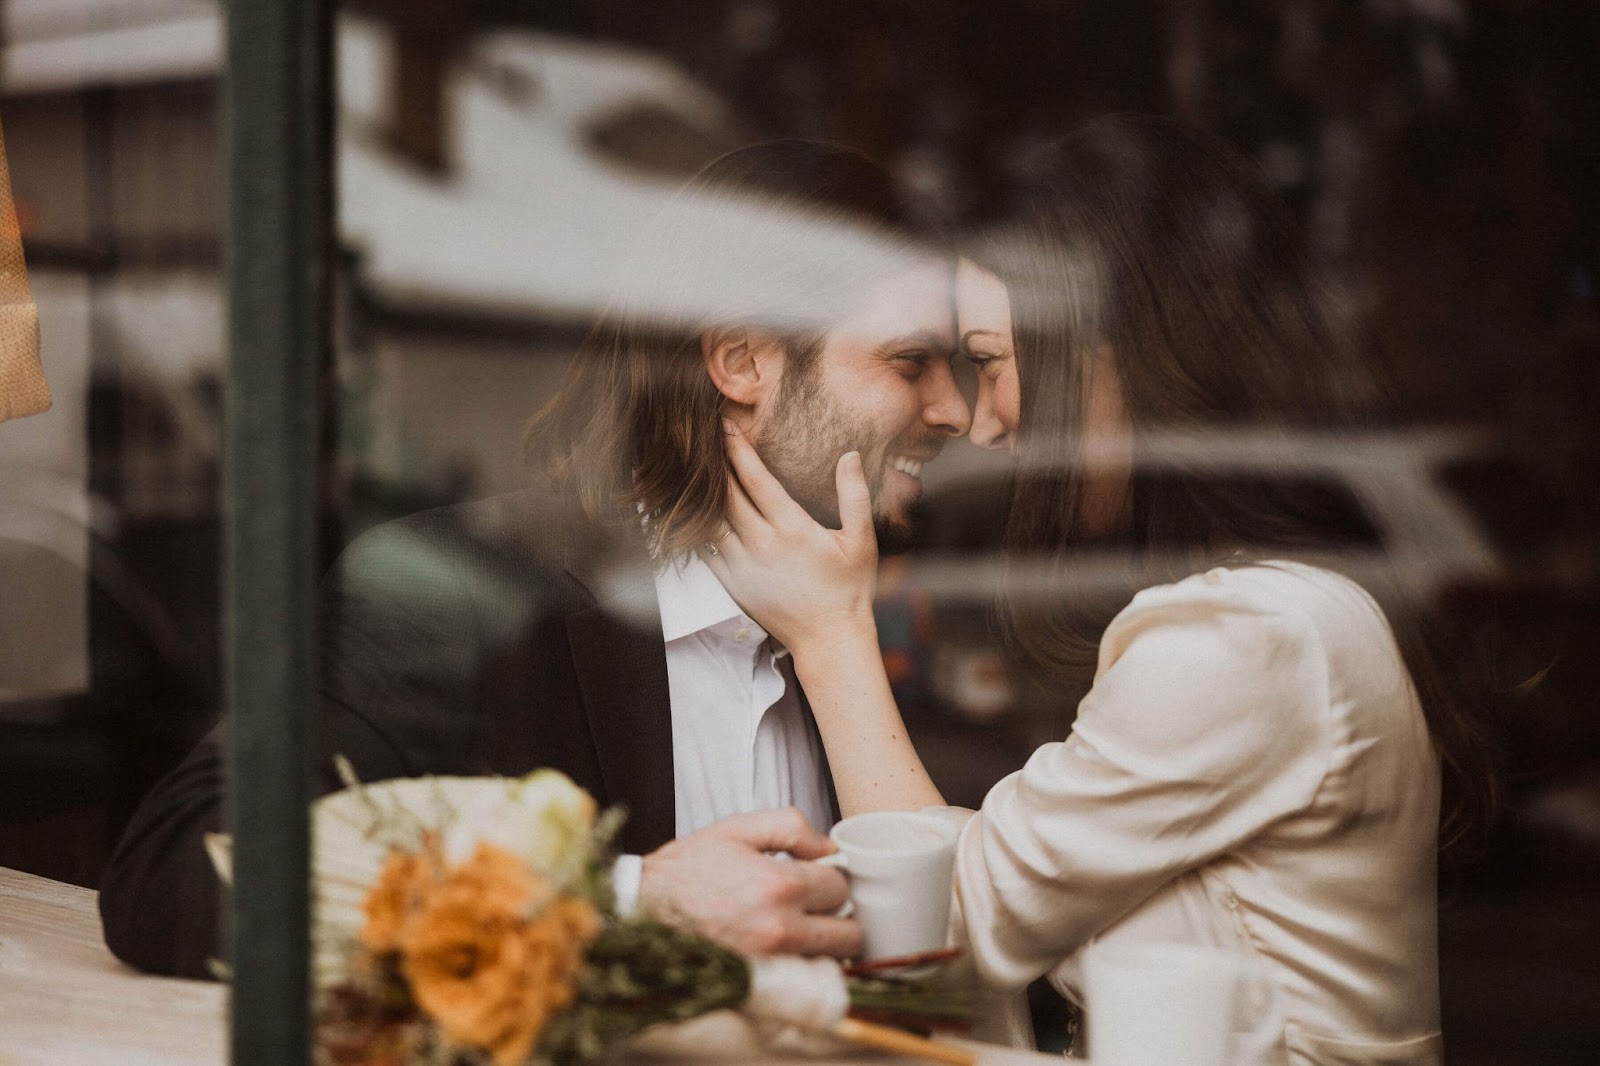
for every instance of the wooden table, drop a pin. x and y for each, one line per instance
(65, 1001)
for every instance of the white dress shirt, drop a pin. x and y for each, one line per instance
(1251, 770)
(741, 738)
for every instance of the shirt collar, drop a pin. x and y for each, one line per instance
(692, 598)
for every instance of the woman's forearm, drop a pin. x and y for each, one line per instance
(875, 766)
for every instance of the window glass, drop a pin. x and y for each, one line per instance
(543, 304)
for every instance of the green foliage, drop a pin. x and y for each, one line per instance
(641, 973)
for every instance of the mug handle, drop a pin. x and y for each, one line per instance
(838, 861)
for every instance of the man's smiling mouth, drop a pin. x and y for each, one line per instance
(907, 465)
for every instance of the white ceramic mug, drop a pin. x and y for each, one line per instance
(1155, 1004)
(900, 865)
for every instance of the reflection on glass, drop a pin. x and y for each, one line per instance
(515, 228)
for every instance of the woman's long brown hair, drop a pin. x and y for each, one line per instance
(1148, 239)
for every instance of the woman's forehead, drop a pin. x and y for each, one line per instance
(982, 303)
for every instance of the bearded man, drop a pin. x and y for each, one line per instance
(575, 625)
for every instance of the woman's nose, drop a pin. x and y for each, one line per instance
(987, 430)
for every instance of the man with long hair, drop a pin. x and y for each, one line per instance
(576, 625)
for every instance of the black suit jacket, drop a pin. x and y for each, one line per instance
(490, 638)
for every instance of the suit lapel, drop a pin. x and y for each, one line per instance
(621, 667)
(789, 678)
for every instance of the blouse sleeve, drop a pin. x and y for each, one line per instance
(1207, 721)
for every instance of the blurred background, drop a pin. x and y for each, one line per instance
(493, 159)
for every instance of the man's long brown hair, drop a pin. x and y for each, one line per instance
(777, 236)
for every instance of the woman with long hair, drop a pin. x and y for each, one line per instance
(1266, 755)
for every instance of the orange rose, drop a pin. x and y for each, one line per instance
(402, 887)
(490, 956)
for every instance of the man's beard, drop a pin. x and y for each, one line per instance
(801, 445)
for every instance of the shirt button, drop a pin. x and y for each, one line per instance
(742, 633)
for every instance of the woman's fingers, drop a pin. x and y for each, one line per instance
(714, 557)
(742, 514)
(764, 490)
(855, 499)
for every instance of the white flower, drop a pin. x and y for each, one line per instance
(543, 818)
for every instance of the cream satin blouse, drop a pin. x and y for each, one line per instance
(1250, 770)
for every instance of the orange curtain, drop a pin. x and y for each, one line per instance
(22, 386)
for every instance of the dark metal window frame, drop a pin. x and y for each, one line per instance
(277, 113)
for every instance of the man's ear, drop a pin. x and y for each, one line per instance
(744, 364)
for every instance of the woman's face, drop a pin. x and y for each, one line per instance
(983, 319)
(983, 322)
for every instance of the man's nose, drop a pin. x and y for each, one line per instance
(945, 409)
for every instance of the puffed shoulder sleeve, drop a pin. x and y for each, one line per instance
(1207, 721)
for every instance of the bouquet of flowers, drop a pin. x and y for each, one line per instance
(471, 920)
